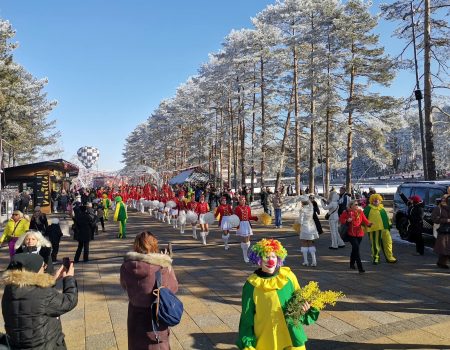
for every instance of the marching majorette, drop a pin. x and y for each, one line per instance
(120, 215)
(201, 210)
(162, 207)
(244, 230)
(106, 203)
(182, 209)
(174, 212)
(192, 206)
(308, 231)
(225, 211)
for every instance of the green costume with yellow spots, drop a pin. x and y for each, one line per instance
(120, 215)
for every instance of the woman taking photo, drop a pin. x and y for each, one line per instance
(137, 277)
(354, 218)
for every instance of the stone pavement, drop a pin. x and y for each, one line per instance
(392, 306)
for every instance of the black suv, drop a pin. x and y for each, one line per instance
(429, 191)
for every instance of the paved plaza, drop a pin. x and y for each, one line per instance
(392, 306)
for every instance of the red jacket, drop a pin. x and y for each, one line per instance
(181, 205)
(192, 205)
(224, 210)
(202, 208)
(245, 213)
(358, 219)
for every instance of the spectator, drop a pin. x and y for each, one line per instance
(312, 199)
(277, 202)
(137, 277)
(344, 200)
(24, 202)
(31, 306)
(54, 234)
(38, 220)
(415, 219)
(33, 242)
(441, 216)
(84, 227)
(15, 227)
(55, 201)
(333, 219)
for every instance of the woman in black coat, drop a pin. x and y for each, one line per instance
(38, 221)
(34, 242)
(31, 306)
(83, 232)
(415, 220)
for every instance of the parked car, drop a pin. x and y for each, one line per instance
(429, 191)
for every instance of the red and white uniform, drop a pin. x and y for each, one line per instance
(225, 211)
(245, 215)
(201, 210)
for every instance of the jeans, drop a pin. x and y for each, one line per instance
(278, 222)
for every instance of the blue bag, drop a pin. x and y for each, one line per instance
(167, 308)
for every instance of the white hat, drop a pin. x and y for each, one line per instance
(55, 221)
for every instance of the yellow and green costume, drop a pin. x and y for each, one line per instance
(121, 216)
(263, 325)
(106, 205)
(379, 232)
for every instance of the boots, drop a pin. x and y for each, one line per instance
(312, 251)
(168, 219)
(244, 247)
(225, 241)
(194, 232)
(304, 251)
(175, 223)
(203, 236)
(182, 228)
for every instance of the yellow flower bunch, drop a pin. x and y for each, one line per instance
(266, 219)
(314, 296)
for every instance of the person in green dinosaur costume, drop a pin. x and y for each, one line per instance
(266, 292)
(379, 232)
(121, 216)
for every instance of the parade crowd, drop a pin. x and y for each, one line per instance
(33, 244)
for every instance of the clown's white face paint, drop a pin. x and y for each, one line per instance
(269, 264)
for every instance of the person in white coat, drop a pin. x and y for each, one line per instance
(308, 231)
(333, 219)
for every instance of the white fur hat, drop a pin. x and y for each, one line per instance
(55, 221)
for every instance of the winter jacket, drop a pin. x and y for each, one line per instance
(277, 201)
(137, 277)
(39, 223)
(83, 227)
(333, 206)
(358, 219)
(14, 229)
(308, 230)
(31, 307)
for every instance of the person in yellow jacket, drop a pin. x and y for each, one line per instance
(121, 216)
(106, 205)
(379, 232)
(15, 227)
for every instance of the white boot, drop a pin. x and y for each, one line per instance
(194, 232)
(168, 219)
(175, 223)
(225, 241)
(304, 251)
(244, 247)
(163, 218)
(182, 228)
(203, 236)
(312, 251)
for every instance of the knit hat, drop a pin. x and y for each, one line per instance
(415, 199)
(37, 208)
(25, 261)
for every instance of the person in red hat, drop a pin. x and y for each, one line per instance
(244, 230)
(415, 219)
(225, 211)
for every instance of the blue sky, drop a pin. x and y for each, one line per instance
(110, 63)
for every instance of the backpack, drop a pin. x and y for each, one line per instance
(167, 308)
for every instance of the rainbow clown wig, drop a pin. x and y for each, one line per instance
(374, 197)
(263, 248)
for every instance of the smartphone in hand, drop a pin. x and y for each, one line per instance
(66, 263)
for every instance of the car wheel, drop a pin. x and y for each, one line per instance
(402, 225)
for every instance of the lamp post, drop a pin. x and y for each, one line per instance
(418, 93)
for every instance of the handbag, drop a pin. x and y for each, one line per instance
(167, 308)
(343, 232)
(327, 215)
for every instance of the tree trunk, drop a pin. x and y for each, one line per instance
(327, 151)
(283, 142)
(219, 166)
(252, 188)
(312, 113)
(429, 145)
(263, 123)
(348, 179)
(297, 123)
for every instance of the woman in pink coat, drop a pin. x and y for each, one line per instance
(137, 277)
